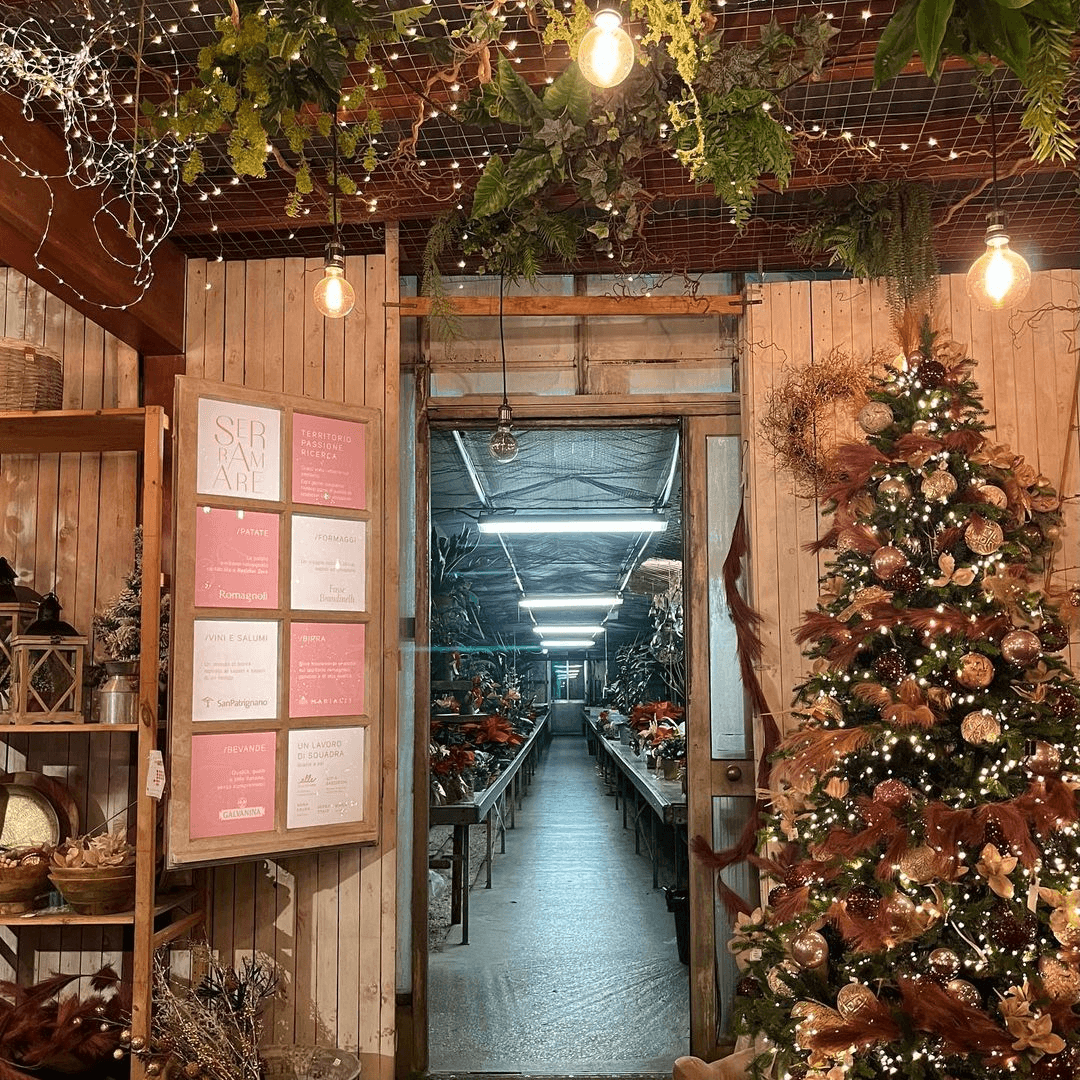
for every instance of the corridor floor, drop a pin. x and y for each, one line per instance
(571, 966)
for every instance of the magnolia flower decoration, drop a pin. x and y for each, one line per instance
(950, 575)
(1035, 1033)
(745, 936)
(1015, 1003)
(1065, 918)
(995, 455)
(996, 868)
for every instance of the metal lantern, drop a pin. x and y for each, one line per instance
(48, 659)
(18, 609)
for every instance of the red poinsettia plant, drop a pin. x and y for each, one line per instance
(653, 712)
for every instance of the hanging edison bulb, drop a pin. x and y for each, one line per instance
(502, 445)
(999, 278)
(606, 53)
(334, 296)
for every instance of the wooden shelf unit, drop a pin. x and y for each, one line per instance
(143, 430)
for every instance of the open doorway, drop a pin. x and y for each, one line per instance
(570, 961)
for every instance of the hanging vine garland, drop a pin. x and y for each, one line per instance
(799, 420)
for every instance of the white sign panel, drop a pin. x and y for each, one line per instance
(234, 670)
(326, 777)
(328, 564)
(239, 451)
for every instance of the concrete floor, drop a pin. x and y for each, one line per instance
(571, 968)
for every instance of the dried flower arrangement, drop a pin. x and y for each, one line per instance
(105, 851)
(209, 1031)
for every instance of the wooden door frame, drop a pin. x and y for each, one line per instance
(475, 411)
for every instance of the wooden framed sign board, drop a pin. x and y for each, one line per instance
(276, 646)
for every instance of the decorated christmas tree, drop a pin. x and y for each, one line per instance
(924, 846)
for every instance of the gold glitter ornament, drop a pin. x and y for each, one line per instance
(921, 428)
(975, 671)
(919, 864)
(894, 488)
(874, 417)
(893, 793)
(1044, 760)
(939, 484)
(980, 728)
(1021, 647)
(826, 707)
(964, 992)
(944, 962)
(886, 561)
(810, 949)
(1060, 981)
(983, 537)
(779, 977)
(853, 998)
(992, 494)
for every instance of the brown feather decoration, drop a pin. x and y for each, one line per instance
(910, 444)
(967, 440)
(1014, 828)
(873, 1024)
(817, 624)
(872, 693)
(862, 935)
(963, 1030)
(842, 655)
(814, 752)
(824, 542)
(946, 539)
(792, 904)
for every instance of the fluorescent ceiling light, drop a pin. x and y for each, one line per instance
(554, 603)
(569, 643)
(573, 525)
(568, 631)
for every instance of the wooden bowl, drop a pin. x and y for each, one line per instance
(95, 890)
(20, 886)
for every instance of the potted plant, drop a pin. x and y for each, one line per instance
(672, 755)
(95, 874)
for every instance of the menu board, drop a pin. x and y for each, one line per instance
(276, 547)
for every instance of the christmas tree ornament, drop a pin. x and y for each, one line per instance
(893, 793)
(863, 901)
(886, 561)
(983, 536)
(931, 373)
(975, 671)
(780, 977)
(944, 962)
(795, 877)
(1007, 930)
(961, 990)
(813, 1018)
(992, 495)
(810, 950)
(1064, 705)
(1053, 636)
(895, 489)
(1020, 647)
(891, 666)
(854, 998)
(919, 864)
(874, 417)
(826, 707)
(921, 428)
(778, 894)
(1072, 598)
(939, 485)
(846, 541)
(1062, 1066)
(1044, 759)
(1060, 981)
(980, 728)
(906, 580)
(1031, 536)
(748, 986)
(899, 910)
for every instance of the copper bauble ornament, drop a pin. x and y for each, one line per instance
(1064, 705)
(1060, 981)
(748, 986)
(895, 489)
(921, 428)
(931, 373)
(1021, 647)
(886, 561)
(944, 962)
(1072, 598)
(853, 998)
(906, 580)
(919, 864)
(975, 671)
(891, 666)
(810, 949)
(1031, 536)
(846, 542)
(893, 793)
(899, 911)
(994, 496)
(939, 484)
(1044, 759)
(779, 978)
(964, 992)
(1010, 931)
(1053, 636)
(875, 417)
(984, 537)
(863, 902)
(778, 894)
(1062, 1066)
(980, 728)
(795, 877)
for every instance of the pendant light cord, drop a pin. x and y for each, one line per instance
(502, 338)
(334, 180)
(993, 153)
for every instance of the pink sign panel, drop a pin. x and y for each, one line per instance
(232, 784)
(236, 558)
(328, 462)
(326, 669)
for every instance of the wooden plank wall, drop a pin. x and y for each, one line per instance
(1026, 370)
(67, 525)
(327, 918)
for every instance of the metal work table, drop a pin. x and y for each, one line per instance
(633, 780)
(501, 799)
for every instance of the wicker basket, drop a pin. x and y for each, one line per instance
(31, 377)
(20, 886)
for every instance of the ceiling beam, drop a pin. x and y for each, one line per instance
(417, 306)
(154, 325)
